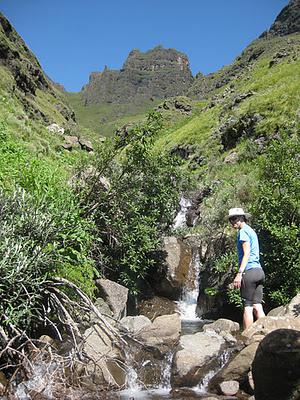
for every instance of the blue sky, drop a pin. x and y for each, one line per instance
(72, 38)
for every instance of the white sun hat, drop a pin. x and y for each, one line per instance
(233, 212)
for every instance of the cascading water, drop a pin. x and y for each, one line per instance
(136, 389)
(180, 219)
(188, 302)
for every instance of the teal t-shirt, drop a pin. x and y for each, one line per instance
(247, 234)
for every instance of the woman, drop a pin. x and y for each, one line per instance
(250, 276)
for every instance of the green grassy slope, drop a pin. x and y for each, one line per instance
(105, 119)
(231, 128)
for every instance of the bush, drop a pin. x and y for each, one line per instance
(33, 243)
(135, 207)
(277, 210)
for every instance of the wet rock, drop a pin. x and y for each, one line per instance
(171, 278)
(237, 369)
(135, 325)
(198, 355)
(156, 306)
(229, 388)
(115, 295)
(276, 367)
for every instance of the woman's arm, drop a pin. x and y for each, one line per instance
(246, 251)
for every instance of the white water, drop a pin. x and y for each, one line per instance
(135, 389)
(180, 219)
(188, 303)
(203, 386)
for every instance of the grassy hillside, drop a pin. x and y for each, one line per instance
(232, 127)
(105, 119)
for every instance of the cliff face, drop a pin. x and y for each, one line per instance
(158, 73)
(288, 20)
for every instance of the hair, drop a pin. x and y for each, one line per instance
(236, 218)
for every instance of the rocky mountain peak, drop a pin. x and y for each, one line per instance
(157, 73)
(288, 20)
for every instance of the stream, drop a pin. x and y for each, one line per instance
(190, 324)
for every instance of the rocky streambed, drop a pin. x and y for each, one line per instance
(136, 358)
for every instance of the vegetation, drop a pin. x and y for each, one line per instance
(135, 206)
(277, 210)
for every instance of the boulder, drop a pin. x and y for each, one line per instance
(156, 306)
(135, 325)
(173, 273)
(71, 142)
(104, 366)
(86, 145)
(198, 355)
(222, 325)
(163, 333)
(265, 325)
(276, 366)
(115, 296)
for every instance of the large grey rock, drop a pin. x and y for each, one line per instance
(135, 325)
(175, 271)
(265, 325)
(276, 366)
(163, 333)
(115, 295)
(197, 356)
(104, 357)
(222, 325)
(292, 309)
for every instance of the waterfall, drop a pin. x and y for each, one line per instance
(188, 302)
(180, 219)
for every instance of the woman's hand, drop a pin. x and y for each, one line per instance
(237, 281)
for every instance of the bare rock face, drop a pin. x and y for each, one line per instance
(276, 366)
(158, 73)
(288, 20)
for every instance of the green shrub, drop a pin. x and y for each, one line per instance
(137, 205)
(277, 210)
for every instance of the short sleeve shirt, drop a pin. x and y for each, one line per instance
(247, 234)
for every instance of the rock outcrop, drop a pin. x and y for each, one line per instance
(156, 74)
(288, 20)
